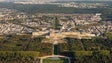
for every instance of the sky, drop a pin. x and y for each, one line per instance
(26, 0)
(55, 0)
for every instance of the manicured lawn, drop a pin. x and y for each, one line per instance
(55, 61)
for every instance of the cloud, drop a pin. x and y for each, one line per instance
(52, 0)
(2, 0)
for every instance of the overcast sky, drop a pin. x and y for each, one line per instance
(56, 0)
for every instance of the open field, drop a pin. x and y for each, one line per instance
(55, 61)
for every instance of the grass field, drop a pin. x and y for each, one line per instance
(55, 61)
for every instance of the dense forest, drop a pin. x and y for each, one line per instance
(22, 48)
(98, 49)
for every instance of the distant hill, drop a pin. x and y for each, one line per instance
(29, 0)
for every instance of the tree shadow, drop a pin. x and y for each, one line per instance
(69, 54)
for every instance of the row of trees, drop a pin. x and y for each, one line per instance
(22, 48)
(25, 43)
(6, 56)
(98, 43)
(95, 50)
(79, 50)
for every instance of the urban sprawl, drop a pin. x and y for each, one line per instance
(15, 22)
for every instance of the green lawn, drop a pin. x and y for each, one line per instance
(55, 61)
